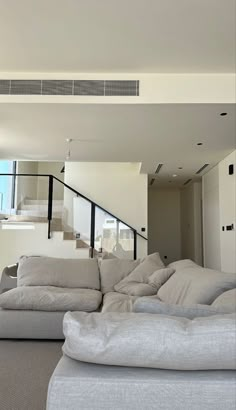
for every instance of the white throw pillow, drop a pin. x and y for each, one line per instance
(113, 270)
(146, 279)
(226, 299)
(146, 340)
(49, 298)
(191, 284)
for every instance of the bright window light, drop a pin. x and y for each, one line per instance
(16, 227)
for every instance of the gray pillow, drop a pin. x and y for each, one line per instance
(145, 340)
(191, 284)
(151, 305)
(49, 298)
(226, 299)
(140, 275)
(113, 270)
(69, 273)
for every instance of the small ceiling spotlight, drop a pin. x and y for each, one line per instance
(174, 175)
(223, 114)
(180, 167)
(200, 143)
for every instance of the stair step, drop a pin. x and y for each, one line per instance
(56, 214)
(42, 201)
(40, 207)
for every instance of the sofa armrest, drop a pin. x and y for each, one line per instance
(9, 278)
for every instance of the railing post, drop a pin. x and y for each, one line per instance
(92, 229)
(135, 244)
(50, 200)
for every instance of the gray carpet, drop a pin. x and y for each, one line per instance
(25, 370)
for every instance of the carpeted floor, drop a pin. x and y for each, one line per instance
(25, 370)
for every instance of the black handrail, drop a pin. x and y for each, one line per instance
(93, 208)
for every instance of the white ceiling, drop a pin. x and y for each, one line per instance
(117, 36)
(150, 134)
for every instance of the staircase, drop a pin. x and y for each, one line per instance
(80, 220)
(36, 211)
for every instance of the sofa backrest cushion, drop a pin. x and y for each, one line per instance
(226, 299)
(192, 284)
(113, 271)
(154, 305)
(146, 340)
(69, 273)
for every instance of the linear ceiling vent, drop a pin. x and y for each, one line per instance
(187, 182)
(152, 181)
(70, 87)
(202, 168)
(158, 168)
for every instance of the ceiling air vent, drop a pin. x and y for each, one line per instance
(152, 181)
(70, 87)
(187, 182)
(91, 87)
(158, 168)
(5, 87)
(54, 87)
(202, 168)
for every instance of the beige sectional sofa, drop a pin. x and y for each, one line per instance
(138, 335)
(49, 287)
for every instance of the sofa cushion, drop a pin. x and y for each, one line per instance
(191, 284)
(129, 285)
(146, 340)
(117, 302)
(113, 270)
(70, 273)
(76, 385)
(226, 299)
(50, 298)
(154, 305)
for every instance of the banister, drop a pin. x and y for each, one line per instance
(79, 194)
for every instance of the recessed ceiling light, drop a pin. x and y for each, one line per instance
(174, 175)
(200, 143)
(180, 167)
(223, 114)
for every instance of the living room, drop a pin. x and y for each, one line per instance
(117, 204)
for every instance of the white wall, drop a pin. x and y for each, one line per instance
(219, 210)
(211, 219)
(37, 187)
(191, 222)
(53, 168)
(26, 187)
(117, 187)
(15, 243)
(227, 196)
(164, 223)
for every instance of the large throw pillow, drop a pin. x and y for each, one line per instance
(49, 298)
(154, 305)
(191, 284)
(144, 340)
(155, 281)
(140, 275)
(70, 273)
(226, 299)
(113, 270)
